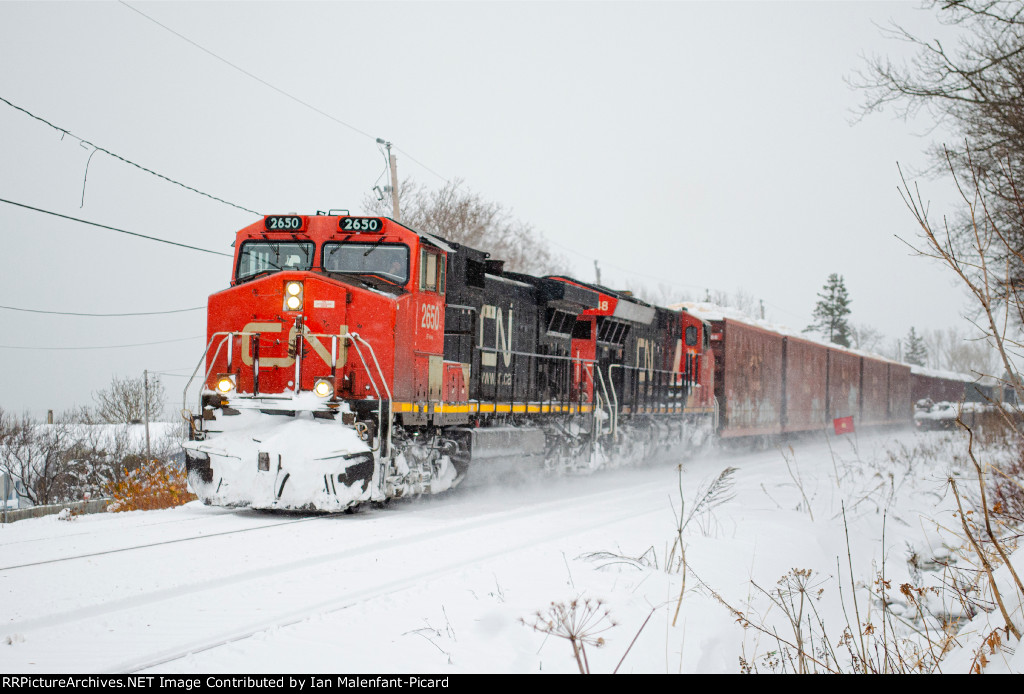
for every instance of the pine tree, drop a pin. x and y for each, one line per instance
(916, 352)
(831, 311)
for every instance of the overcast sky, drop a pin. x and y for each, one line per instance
(707, 145)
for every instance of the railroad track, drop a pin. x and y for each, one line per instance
(147, 545)
(151, 524)
(291, 590)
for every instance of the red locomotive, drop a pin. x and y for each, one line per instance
(354, 359)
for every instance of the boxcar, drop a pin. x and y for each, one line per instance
(768, 383)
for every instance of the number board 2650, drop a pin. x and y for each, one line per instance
(283, 223)
(361, 224)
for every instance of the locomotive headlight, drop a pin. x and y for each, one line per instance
(293, 296)
(323, 387)
(226, 383)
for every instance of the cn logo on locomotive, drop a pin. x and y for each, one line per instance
(322, 351)
(502, 335)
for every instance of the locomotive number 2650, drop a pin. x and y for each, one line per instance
(431, 317)
(279, 223)
(361, 224)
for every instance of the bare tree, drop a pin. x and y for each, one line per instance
(740, 301)
(747, 303)
(458, 214)
(718, 298)
(986, 267)
(975, 86)
(867, 339)
(55, 463)
(8, 423)
(952, 349)
(36, 456)
(124, 401)
(978, 89)
(660, 294)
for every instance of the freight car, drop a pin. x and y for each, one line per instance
(768, 383)
(939, 386)
(940, 397)
(949, 386)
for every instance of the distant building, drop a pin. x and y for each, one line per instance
(12, 493)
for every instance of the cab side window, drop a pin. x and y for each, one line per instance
(691, 336)
(431, 271)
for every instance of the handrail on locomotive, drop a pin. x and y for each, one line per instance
(355, 338)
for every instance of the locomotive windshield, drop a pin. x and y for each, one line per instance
(258, 257)
(390, 261)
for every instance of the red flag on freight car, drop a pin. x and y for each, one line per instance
(843, 425)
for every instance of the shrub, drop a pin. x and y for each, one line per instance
(151, 485)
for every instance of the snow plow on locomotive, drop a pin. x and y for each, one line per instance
(353, 359)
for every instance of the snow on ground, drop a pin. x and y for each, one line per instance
(454, 584)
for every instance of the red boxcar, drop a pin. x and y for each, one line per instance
(748, 378)
(936, 387)
(768, 383)
(900, 402)
(806, 401)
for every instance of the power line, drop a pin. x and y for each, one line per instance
(274, 87)
(417, 161)
(338, 121)
(120, 231)
(102, 315)
(298, 101)
(249, 74)
(96, 148)
(139, 344)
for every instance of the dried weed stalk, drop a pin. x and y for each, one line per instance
(797, 479)
(707, 498)
(580, 622)
(869, 645)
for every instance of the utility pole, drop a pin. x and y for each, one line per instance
(393, 165)
(145, 382)
(597, 271)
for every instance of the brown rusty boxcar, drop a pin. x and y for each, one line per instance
(805, 404)
(900, 401)
(874, 405)
(748, 378)
(843, 384)
(767, 383)
(936, 388)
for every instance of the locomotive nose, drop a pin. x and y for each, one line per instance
(294, 464)
(305, 466)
